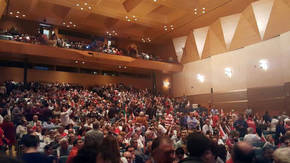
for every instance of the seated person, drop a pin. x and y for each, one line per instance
(31, 155)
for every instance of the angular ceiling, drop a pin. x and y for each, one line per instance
(147, 17)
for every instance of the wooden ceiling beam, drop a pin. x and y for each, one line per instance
(129, 5)
(179, 5)
(3, 5)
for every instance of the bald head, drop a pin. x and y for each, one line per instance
(243, 153)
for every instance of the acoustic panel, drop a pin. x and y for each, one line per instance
(279, 21)
(215, 42)
(262, 10)
(229, 26)
(191, 53)
(200, 37)
(247, 32)
(179, 43)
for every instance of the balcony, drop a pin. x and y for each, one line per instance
(12, 50)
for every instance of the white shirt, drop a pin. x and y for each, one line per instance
(162, 129)
(251, 138)
(273, 124)
(64, 117)
(206, 128)
(21, 130)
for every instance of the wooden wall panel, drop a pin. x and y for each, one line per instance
(247, 32)
(238, 106)
(279, 21)
(230, 96)
(261, 93)
(84, 79)
(287, 97)
(20, 25)
(261, 20)
(16, 74)
(215, 42)
(274, 106)
(202, 99)
(267, 98)
(190, 53)
(9, 73)
(3, 5)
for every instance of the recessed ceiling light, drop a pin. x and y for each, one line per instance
(17, 16)
(63, 23)
(76, 61)
(67, 26)
(11, 13)
(195, 13)
(90, 7)
(77, 4)
(23, 15)
(85, 3)
(18, 12)
(154, 0)
(82, 8)
(75, 25)
(70, 22)
(203, 8)
(195, 9)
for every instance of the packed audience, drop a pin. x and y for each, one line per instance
(94, 45)
(65, 123)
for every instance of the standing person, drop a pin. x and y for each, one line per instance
(206, 128)
(64, 116)
(267, 118)
(31, 155)
(241, 125)
(280, 130)
(2, 141)
(192, 122)
(77, 145)
(251, 123)
(9, 132)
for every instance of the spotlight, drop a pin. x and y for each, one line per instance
(166, 84)
(263, 63)
(228, 72)
(200, 78)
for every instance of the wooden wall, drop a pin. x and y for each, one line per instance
(250, 85)
(274, 99)
(16, 74)
(261, 20)
(29, 27)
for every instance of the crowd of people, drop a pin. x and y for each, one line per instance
(65, 123)
(94, 45)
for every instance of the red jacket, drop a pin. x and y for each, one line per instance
(9, 132)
